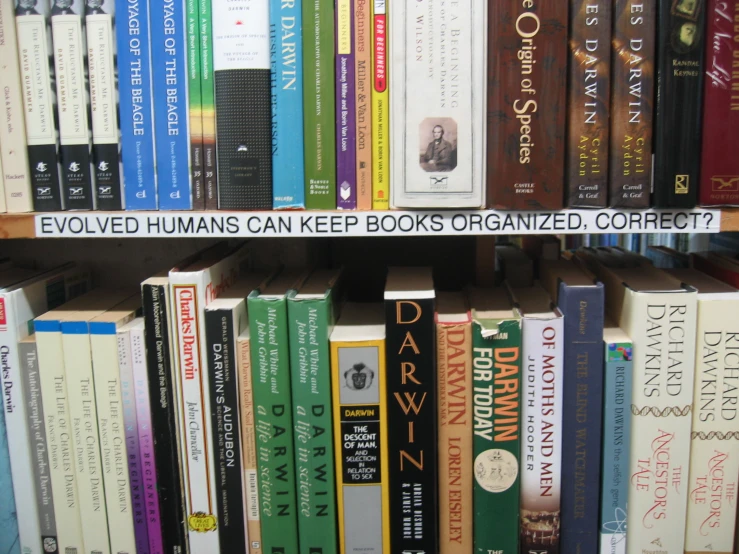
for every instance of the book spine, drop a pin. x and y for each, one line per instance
(13, 133)
(73, 109)
(530, 173)
(589, 103)
(412, 445)
(346, 117)
(9, 537)
(35, 53)
(39, 447)
(380, 106)
(101, 59)
(497, 438)
(632, 91)
(195, 98)
(55, 401)
(164, 423)
(207, 103)
(454, 355)
(170, 94)
(679, 113)
(273, 422)
(582, 415)
(616, 446)
(286, 49)
(249, 445)
(318, 94)
(83, 415)
(220, 330)
(146, 441)
(310, 369)
(363, 87)
(360, 427)
(719, 184)
(541, 447)
(133, 451)
(243, 106)
(714, 446)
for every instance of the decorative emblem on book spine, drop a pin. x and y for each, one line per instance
(682, 184)
(676, 411)
(720, 435)
(202, 522)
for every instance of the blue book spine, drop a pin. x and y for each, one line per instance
(286, 54)
(171, 103)
(583, 308)
(616, 446)
(137, 116)
(9, 539)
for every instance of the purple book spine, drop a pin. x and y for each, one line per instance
(346, 120)
(132, 444)
(146, 441)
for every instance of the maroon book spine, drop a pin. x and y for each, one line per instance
(719, 177)
(527, 98)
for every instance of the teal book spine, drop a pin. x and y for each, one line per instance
(9, 539)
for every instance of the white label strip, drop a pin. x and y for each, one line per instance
(381, 223)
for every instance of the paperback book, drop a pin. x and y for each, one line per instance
(380, 106)
(346, 123)
(363, 89)
(194, 94)
(207, 105)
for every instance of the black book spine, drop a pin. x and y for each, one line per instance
(677, 135)
(164, 420)
(107, 177)
(224, 413)
(412, 437)
(47, 192)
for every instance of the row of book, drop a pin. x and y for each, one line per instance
(586, 404)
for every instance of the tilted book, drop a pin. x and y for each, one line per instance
(412, 405)
(380, 106)
(194, 94)
(243, 105)
(360, 429)
(9, 540)
(454, 359)
(496, 388)
(363, 86)
(208, 107)
(345, 193)
(437, 103)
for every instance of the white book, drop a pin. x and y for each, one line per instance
(437, 103)
(192, 288)
(3, 205)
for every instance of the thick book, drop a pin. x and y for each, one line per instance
(101, 61)
(136, 96)
(527, 81)
(719, 168)
(437, 100)
(243, 104)
(13, 154)
(73, 103)
(363, 101)
(207, 104)
(156, 302)
(36, 53)
(319, 104)
(632, 103)
(358, 382)
(454, 374)
(380, 105)
(496, 383)
(9, 539)
(542, 337)
(581, 299)
(194, 96)
(717, 266)
(286, 54)
(311, 311)
(345, 194)
(681, 47)
(667, 258)
(270, 368)
(617, 377)
(412, 407)
(588, 103)
(170, 107)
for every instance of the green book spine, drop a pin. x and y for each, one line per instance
(311, 321)
(193, 88)
(208, 107)
(319, 103)
(496, 366)
(270, 359)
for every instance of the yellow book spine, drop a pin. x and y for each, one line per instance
(380, 108)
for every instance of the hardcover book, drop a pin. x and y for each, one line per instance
(437, 101)
(589, 103)
(632, 93)
(380, 106)
(527, 81)
(346, 123)
(358, 380)
(208, 107)
(319, 104)
(496, 376)
(192, 22)
(412, 404)
(363, 101)
(242, 99)
(9, 540)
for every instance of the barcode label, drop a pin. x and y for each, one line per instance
(70, 550)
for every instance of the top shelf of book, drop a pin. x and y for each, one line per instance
(220, 224)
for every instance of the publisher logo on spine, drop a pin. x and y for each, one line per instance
(496, 470)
